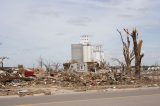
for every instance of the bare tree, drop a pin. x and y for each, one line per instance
(120, 63)
(104, 65)
(2, 60)
(137, 46)
(56, 66)
(40, 62)
(127, 52)
(51, 66)
(48, 66)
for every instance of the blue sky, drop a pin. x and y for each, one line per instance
(33, 28)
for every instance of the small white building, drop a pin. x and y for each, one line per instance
(79, 67)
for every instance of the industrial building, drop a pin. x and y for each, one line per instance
(86, 52)
(86, 56)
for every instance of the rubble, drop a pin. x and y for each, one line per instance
(14, 83)
(6, 76)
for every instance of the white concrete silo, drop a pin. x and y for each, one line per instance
(87, 53)
(87, 48)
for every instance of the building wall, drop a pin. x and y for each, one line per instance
(77, 52)
(98, 53)
(87, 53)
(98, 56)
(79, 67)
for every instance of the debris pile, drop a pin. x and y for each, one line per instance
(15, 83)
(74, 79)
(8, 76)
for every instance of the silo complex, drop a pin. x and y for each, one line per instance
(85, 52)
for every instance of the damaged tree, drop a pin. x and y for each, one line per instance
(52, 66)
(127, 53)
(137, 46)
(40, 62)
(2, 60)
(48, 66)
(55, 66)
(120, 63)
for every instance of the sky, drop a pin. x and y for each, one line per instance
(47, 28)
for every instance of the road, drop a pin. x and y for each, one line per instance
(140, 97)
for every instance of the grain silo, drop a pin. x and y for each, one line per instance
(77, 52)
(86, 52)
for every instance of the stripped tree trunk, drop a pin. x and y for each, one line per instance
(137, 45)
